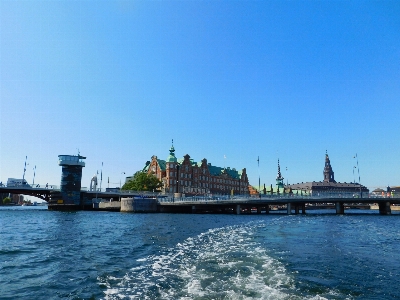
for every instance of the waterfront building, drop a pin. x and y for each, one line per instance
(393, 191)
(71, 176)
(378, 193)
(329, 186)
(190, 177)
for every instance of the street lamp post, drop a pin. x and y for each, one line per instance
(259, 180)
(34, 172)
(120, 186)
(177, 178)
(23, 176)
(358, 170)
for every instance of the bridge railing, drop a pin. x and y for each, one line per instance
(221, 198)
(31, 186)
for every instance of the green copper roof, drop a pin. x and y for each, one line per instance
(146, 167)
(162, 164)
(171, 157)
(215, 171)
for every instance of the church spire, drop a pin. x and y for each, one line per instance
(329, 175)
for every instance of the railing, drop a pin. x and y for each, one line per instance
(244, 198)
(34, 186)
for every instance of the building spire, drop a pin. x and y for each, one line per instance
(329, 175)
(171, 157)
(279, 178)
(172, 149)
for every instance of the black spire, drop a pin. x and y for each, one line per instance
(329, 175)
(279, 178)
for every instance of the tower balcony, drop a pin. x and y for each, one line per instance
(71, 160)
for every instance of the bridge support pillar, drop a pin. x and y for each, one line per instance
(258, 210)
(193, 209)
(296, 209)
(267, 209)
(303, 208)
(289, 208)
(339, 208)
(384, 208)
(237, 209)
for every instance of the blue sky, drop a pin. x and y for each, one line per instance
(119, 80)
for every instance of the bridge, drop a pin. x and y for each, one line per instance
(40, 191)
(48, 192)
(71, 196)
(291, 204)
(168, 203)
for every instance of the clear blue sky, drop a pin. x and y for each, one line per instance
(275, 79)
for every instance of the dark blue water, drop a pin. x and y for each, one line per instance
(100, 255)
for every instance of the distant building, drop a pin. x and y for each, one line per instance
(17, 198)
(329, 187)
(14, 182)
(393, 191)
(190, 177)
(2, 196)
(378, 193)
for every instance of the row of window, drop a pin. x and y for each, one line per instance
(205, 178)
(201, 184)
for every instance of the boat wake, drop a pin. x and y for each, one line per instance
(223, 263)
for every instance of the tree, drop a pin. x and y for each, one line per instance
(142, 181)
(6, 200)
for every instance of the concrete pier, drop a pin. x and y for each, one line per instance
(289, 208)
(238, 209)
(384, 208)
(138, 205)
(339, 208)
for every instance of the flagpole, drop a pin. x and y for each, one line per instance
(359, 181)
(23, 176)
(97, 173)
(259, 184)
(34, 172)
(101, 175)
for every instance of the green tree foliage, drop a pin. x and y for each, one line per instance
(142, 181)
(6, 200)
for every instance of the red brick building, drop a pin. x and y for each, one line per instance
(190, 177)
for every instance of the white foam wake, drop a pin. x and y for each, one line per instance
(223, 263)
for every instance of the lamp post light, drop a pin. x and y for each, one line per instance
(177, 177)
(34, 172)
(23, 176)
(358, 170)
(101, 175)
(120, 186)
(259, 180)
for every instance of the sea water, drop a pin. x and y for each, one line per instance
(104, 255)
